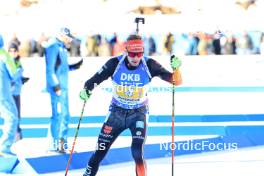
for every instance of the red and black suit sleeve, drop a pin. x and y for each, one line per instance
(156, 69)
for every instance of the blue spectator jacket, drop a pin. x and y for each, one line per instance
(57, 67)
(17, 83)
(8, 72)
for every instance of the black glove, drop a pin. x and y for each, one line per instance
(77, 65)
(24, 80)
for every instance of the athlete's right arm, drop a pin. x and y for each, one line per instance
(104, 73)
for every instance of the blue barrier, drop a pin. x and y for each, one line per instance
(118, 155)
(153, 118)
(152, 131)
(242, 136)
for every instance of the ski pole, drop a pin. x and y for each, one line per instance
(172, 128)
(173, 119)
(177, 80)
(75, 138)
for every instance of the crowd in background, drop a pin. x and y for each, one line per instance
(198, 43)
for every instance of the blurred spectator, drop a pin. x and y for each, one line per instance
(43, 38)
(193, 43)
(119, 47)
(168, 44)
(90, 44)
(229, 44)
(149, 46)
(104, 49)
(152, 46)
(245, 44)
(15, 40)
(75, 49)
(33, 47)
(216, 43)
(25, 49)
(8, 110)
(185, 45)
(261, 47)
(17, 85)
(112, 42)
(98, 40)
(204, 44)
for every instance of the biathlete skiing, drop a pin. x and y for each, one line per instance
(131, 74)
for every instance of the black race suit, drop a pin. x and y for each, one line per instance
(120, 119)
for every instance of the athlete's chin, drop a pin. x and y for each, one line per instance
(134, 63)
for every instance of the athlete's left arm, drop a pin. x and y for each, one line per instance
(156, 69)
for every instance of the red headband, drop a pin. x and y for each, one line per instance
(135, 46)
